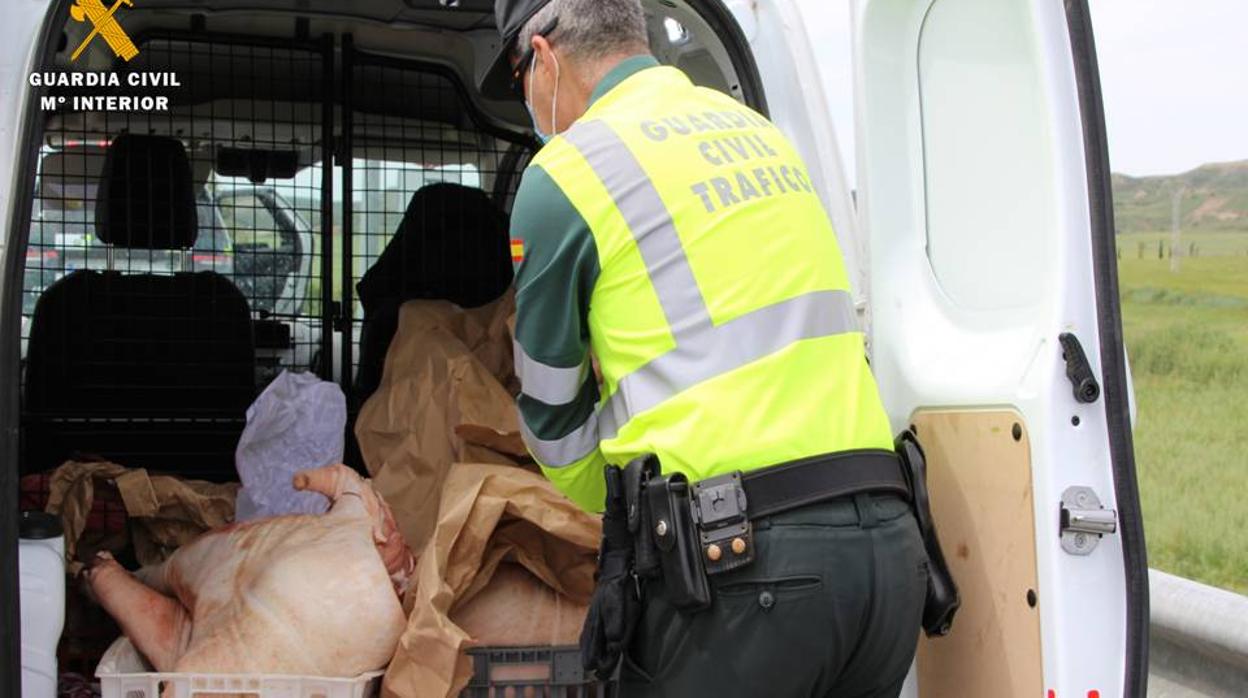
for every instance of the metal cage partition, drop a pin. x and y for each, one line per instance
(177, 256)
(425, 201)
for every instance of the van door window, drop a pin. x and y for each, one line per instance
(266, 251)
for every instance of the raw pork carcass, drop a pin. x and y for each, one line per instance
(303, 594)
(517, 610)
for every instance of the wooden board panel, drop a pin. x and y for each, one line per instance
(979, 477)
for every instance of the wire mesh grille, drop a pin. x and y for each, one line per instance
(429, 186)
(174, 264)
(127, 331)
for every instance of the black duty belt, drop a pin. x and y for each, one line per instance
(687, 531)
(808, 481)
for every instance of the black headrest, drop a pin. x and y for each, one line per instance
(451, 245)
(146, 198)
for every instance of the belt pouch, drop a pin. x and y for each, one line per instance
(676, 539)
(637, 477)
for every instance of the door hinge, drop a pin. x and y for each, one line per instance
(1084, 521)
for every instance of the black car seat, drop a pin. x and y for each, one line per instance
(143, 369)
(451, 245)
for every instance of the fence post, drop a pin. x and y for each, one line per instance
(1176, 230)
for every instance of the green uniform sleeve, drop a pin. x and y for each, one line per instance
(559, 393)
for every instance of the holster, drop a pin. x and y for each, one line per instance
(636, 476)
(675, 540)
(675, 523)
(942, 592)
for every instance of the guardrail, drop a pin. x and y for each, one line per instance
(1198, 639)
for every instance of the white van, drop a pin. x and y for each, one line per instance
(980, 241)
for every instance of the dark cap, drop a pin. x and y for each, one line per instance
(36, 525)
(511, 16)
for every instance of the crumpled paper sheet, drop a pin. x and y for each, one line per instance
(164, 512)
(490, 515)
(439, 437)
(509, 444)
(445, 367)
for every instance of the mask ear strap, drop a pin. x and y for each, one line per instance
(554, 101)
(528, 98)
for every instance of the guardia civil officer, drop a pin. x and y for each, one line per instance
(676, 234)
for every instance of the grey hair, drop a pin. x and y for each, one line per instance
(590, 29)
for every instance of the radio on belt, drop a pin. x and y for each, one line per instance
(720, 514)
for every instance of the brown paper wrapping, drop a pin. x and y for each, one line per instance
(500, 550)
(163, 512)
(491, 515)
(509, 444)
(446, 366)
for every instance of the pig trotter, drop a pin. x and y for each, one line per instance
(158, 626)
(337, 481)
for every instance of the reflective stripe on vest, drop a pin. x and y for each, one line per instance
(648, 220)
(725, 348)
(703, 350)
(565, 450)
(552, 385)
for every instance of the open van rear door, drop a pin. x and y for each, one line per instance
(24, 34)
(986, 201)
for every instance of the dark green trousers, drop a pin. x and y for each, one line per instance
(831, 607)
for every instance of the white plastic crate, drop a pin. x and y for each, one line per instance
(123, 674)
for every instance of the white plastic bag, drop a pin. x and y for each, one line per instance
(297, 423)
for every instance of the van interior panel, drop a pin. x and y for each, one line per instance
(979, 479)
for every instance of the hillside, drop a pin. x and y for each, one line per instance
(1216, 199)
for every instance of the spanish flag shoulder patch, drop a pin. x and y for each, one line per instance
(517, 250)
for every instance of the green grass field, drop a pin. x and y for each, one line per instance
(1187, 339)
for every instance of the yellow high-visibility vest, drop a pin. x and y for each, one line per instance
(721, 316)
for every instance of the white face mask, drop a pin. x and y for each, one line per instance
(554, 102)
